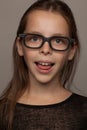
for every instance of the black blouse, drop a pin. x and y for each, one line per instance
(70, 114)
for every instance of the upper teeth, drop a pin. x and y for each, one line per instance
(45, 64)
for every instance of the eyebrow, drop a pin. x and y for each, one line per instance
(36, 32)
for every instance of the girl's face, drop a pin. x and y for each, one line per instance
(45, 64)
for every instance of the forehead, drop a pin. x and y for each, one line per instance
(47, 21)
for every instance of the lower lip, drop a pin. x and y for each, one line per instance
(44, 69)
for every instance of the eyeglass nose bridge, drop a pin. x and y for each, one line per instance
(47, 39)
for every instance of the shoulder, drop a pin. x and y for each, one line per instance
(4, 105)
(79, 100)
(80, 97)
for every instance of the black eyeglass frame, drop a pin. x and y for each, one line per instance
(47, 39)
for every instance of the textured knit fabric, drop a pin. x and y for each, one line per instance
(70, 114)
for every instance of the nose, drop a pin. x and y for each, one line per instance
(46, 49)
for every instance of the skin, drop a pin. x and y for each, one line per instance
(45, 87)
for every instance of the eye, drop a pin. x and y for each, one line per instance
(57, 40)
(32, 38)
(61, 40)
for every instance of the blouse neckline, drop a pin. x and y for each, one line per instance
(48, 105)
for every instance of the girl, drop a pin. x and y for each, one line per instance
(45, 54)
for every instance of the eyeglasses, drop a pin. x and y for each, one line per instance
(57, 43)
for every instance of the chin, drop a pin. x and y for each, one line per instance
(45, 80)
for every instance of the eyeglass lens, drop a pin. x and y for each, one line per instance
(56, 42)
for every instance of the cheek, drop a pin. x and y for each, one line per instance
(28, 56)
(61, 60)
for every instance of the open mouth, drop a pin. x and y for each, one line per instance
(44, 66)
(44, 63)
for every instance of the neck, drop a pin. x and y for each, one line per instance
(38, 88)
(44, 93)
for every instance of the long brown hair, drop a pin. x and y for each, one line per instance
(18, 83)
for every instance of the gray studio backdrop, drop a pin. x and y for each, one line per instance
(10, 14)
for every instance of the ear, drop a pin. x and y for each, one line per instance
(72, 52)
(19, 47)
